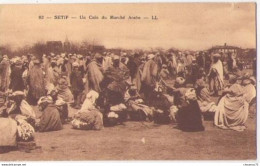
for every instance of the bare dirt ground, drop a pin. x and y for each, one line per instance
(143, 141)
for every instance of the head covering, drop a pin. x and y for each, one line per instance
(62, 55)
(217, 55)
(49, 87)
(45, 99)
(17, 60)
(52, 91)
(252, 78)
(249, 80)
(92, 95)
(60, 61)
(60, 102)
(115, 57)
(190, 94)
(233, 78)
(133, 87)
(53, 61)
(150, 56)
(75, 64)
(18, 93)
(180, 80)
(5, 56)
(80, 56)
(36, 61)
(97, 56)
(200, 83)
(73, 57)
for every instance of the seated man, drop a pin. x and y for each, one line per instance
(189, 115)
(206, 104)
(63, 109)
(232, 109)
(19, 106)
(88, 117)
(137, 110)
(50, 119)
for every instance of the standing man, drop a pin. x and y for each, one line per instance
(17, 83)
(216, 78)
(36, 82)
(149, 76)
(77, 86)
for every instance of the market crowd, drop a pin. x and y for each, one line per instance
(107, 89)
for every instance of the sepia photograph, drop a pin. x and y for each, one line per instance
(128, 81)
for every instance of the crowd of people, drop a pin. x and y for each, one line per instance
(107, 89)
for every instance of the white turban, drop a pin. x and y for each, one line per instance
(150, 56)
(44, 99)
(18, 93)
(75, 64)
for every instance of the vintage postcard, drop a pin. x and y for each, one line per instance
(134, 81)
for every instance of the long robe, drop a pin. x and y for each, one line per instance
(46, 64)
(50, 119)
(149, 78)
(107, 62)
(249, 92)
(94, 76)
(204, 99)
(36, 82)
(52, 76)
(4, 75)
(8, 130)
(150, 72)
(116, 77)
(24, 109)
(216, 77)
(138, 79)
(76, 82)
(189, 117)
(63, 91)
(232, 110)
(17, 83)
(88, 120)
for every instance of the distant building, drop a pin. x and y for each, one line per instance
(54, 46)
(224, 49)
(98, 48)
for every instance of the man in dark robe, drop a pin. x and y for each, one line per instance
(201, 60)
(4, 73)
(115, 82)
(50, 119)
(94, 74)
(194, 71)
(77, 86)
(17, 83)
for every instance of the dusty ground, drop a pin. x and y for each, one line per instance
(143, 141)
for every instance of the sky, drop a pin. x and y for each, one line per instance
(193, 26)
